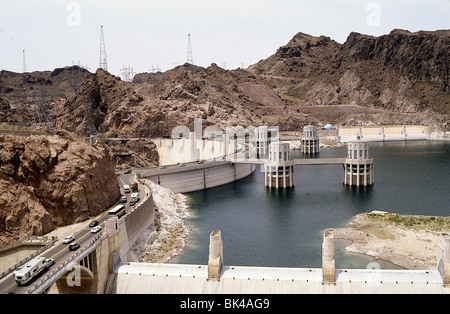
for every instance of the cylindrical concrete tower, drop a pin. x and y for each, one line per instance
(215, 259)
(310, 140)
(444, 258)
(328, 263)
(358, 166)
(279, 170)
(262, 142)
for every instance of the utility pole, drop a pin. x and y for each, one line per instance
(24, 62)
(103, 64)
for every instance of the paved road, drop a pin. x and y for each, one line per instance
(60, 252)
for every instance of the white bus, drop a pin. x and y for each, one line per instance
(31, 269)
(118, 211)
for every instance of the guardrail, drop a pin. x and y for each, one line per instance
(42, 249)
(55, 272)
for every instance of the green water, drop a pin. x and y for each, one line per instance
(284, 228)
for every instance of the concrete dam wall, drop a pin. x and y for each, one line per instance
(199, 177)
(385, 133)
(173, 151)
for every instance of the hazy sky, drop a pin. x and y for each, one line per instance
(153, 33)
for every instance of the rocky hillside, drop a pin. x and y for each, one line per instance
(48, 181)
(220, 97)
(49, 85)
(399, 78)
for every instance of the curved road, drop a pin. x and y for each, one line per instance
(60, 252)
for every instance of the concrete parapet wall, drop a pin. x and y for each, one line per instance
(123, 234)
(385, 133)
(200, 177)
(18, 253)
(134, 223)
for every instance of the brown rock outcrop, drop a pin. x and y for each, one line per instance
(47, 181)
(402, 74)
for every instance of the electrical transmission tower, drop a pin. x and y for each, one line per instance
(128, 74)
(24, 63)
(190, 58)
(90, 120)
(103, 64)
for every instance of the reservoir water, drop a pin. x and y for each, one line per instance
(284, 228)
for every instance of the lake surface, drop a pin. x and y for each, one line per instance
(284, 228)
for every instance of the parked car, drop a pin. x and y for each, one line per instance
(68, 239)
(74, 246)
(93, 223)
(96, 229)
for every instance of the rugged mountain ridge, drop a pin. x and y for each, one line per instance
(402, 75)
(423, 56)
(398, 78)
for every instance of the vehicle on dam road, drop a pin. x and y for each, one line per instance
(118, 211)
(32, 269)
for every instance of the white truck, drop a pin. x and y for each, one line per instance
(134, 198)
(32, 269)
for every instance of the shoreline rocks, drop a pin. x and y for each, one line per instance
(166, 236)
(408, 241)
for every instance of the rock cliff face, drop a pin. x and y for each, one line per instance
(48, 181)
(100, 104)
(402, 77)
(422, 56)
